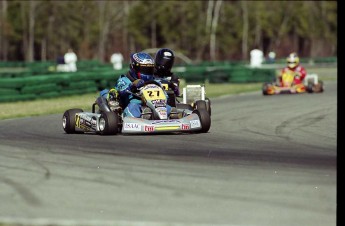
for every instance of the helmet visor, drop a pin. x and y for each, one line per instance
(292, 64)
(166, 63)
(146, 69)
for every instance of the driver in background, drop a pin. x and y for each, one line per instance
(164, 60)
(293, 66)
(141, 70)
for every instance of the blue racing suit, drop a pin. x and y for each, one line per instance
(130, 103)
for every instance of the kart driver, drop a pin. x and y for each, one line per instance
(293, 66)
(164, 60)
(141, 70)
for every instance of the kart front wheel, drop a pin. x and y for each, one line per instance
(264, 89)
(205, 119)
(68, 120)
(108, 123)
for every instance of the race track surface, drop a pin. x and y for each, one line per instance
(267, 160)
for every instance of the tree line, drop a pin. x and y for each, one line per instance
(213, 30)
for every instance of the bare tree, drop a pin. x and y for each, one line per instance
(3, 29)
(153, 27)
(258, 30)
(213, 30)
(110, 17)
(125, 30)
(207, 30)
(245, 29)
(104, 29)
(32, 10)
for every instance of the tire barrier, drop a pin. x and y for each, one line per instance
(28, 85)
(54, 85)
(237, 74)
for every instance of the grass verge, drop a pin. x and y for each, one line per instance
(61, 104)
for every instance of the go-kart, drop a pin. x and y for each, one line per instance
(311, 85)
(107, 116)
(193, 97)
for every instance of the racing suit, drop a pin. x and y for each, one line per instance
(299, 72)
(173, 79)
(130, 103)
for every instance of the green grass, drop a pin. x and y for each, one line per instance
(216, 90)
(61, 104)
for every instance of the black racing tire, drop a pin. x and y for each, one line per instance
(200, 104)
(321, 88)
(264, 89)
(109, 123)
(309, 87)
(208, 105)
(68, 120)
(205, 120)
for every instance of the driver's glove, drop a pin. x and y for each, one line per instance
(298, 76)
(175, 88)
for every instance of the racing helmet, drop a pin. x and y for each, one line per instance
(142, 66)
(292, 60)
(164, 61)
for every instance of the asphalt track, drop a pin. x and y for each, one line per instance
(267, 160)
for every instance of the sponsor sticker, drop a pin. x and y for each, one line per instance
(162, 112)
(159, 103)
(149, 128)
(132, 126)
(195, 123)
(185, 127)
(151, 86)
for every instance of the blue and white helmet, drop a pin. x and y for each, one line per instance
(142, 66)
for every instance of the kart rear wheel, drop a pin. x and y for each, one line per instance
(205, 119)
(200, 104)
(319, 87)
(310, 87)
(68, 120)
(108, 123)
(208, 105)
